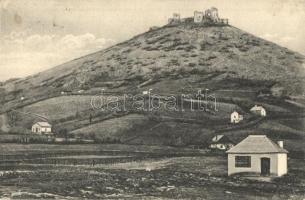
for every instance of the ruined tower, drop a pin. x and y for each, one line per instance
(198, 17)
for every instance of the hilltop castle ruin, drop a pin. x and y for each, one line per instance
(209, 16)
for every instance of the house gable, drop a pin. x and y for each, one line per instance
(257, 144)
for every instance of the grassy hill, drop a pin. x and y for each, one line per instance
(239, 68)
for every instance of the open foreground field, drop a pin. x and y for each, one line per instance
(133, 172)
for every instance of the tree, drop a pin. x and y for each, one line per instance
(90, 118)
(63, 133)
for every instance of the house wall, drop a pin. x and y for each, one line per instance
(261, 112)
(45, 129)
(236, 118)
(277, 163)
(218, 146)
(38, 129)
(221, 146)
(282, 164)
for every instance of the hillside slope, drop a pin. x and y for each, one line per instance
(169, 52)
(239, 68)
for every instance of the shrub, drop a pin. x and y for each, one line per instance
(192, 64)
(62, 133)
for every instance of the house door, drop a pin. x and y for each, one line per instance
(265, 166)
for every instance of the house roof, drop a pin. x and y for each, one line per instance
(221, 139)
(257, 144)
(235, 112)
(217, 138)
(43, 124)
(257, 108)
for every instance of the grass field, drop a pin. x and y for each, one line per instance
(132, 172)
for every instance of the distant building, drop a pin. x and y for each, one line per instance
(198, 17)
(224, 21)
(154, 28)
(236, 117)
(212, 14)
(221, 142)
(209, 16)
(42, 128)
(183, 20)
(175, 19)
(258, 110)
(258, 154)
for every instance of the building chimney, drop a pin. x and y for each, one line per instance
(281, 144)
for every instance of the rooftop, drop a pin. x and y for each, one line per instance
(256, 107)
(217, 138)
(221, 139)
(257, 144)
(43, 124)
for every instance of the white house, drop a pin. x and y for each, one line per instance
(258, 110)
(221, 142)
(259, 155)
(236, 117)
(42, 128)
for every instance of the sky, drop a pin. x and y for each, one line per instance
(39, 34)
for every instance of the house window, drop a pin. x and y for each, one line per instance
(242, 161)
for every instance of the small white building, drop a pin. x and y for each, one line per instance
(42, 128)
(259, 155)
(236, 117)
(258, 110)
(221, 142)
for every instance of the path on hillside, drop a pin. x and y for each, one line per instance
(241, 126)
(32, 114)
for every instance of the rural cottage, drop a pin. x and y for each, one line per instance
(258, 154)
(42, 128)
(236, 117)
(258, 110)
(221, 142)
